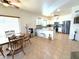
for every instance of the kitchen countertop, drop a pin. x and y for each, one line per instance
(45, 33)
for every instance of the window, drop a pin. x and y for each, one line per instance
(8, 24)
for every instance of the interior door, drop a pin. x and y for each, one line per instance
(63, 27)
(67, 27)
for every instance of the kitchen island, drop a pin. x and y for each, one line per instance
(45, 33)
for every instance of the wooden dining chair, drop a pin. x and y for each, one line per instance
(15, 46)
(9, 33)
(1, 51)
(27, 38)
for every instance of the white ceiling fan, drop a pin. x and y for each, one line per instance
(12, 3)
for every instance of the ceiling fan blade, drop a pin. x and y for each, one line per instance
(5, 1)
(18, 1)
(8, 3)
(15, 6)
(2, 2)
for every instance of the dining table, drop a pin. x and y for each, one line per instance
(4, 40)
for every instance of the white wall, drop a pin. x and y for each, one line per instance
(26, 17)
(62, 18)
(74, 27)
(70, 16)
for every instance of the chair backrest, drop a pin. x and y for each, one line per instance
(9, 33)
(13, 42)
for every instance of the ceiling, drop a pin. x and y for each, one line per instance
(64, 5)
(66, 8)
(34, 6)
(46, 7)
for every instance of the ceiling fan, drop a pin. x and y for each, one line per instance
(12, 3)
